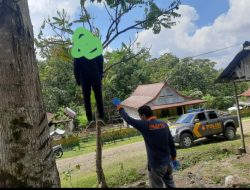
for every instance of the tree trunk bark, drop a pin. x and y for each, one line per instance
(26, 156)
(99, 171)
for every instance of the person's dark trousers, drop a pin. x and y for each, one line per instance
(97, 88)
(161, 177)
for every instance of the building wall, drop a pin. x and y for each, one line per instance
(244, 99)
(167, 96)
(132, 113)
(243, 71)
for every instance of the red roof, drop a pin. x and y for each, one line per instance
(192, 102)
(246, 93)
(136, 101)
(148, 90)
(144, 94)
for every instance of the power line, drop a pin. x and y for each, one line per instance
(216, 50)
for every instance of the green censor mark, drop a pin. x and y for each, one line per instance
(86, 44)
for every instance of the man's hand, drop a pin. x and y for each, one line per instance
(116, 101)
(176, 164)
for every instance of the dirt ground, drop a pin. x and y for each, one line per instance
(108, 157)
(191, 177)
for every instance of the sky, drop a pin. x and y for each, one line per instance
(204, 26)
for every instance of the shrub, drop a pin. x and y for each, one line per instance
(243, 113)
(112, 136)
(69, 142)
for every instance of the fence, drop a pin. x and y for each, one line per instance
(71, 141)
(84, 140)
(115, 135)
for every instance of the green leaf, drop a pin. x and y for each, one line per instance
(57, 19)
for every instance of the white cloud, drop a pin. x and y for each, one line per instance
(39, 10)
(186, 39)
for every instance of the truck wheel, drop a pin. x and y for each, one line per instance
(186, 140)
(230, 133)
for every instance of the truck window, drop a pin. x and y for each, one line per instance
(201, 116)
(212, 115)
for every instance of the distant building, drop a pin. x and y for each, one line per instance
(164, 100)
(246, 102)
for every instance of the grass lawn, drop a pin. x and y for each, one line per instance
(118, 173)
(90, 146)
(245, 118)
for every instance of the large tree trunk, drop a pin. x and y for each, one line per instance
(26, 156)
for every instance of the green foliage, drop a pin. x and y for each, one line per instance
(123, 176)
(112, 136)
(81, 116)
(69, 142)
(58, 83)
(67, 176)
(122, 79)
(217, 153)
(210, 101)
(154, 17)
(195, 78)
(191, 74)
(245, 112)
(216, 179)
(82, 120)
(160, 69)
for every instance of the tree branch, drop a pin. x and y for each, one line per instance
(116, 21)
(124, 59)
(135, 26)
(110, 15)
(87, 16)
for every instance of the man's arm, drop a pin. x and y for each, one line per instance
(138, 124)
(76, 72)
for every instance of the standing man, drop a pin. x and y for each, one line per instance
(159, 145)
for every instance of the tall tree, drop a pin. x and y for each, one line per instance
(58, 82)
(122, 79)
(26, 156)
